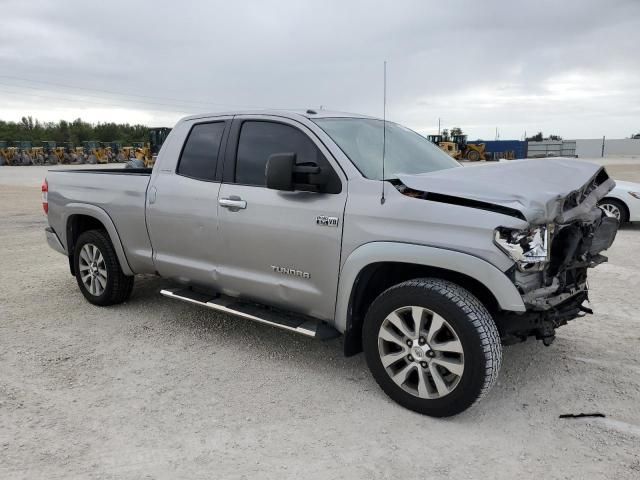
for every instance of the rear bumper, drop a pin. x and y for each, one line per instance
(54, 241)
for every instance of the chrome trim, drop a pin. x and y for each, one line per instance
(232, 203)
(303, 329)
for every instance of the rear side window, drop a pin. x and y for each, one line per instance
(200, 154)
(260, 139)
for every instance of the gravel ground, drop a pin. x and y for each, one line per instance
(158, 389)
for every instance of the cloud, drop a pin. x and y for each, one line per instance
(568, 67)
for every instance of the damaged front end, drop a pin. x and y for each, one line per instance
(565, 231)
(551, 262)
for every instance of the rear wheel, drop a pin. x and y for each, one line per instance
(616, 208)
(98, 271)
(432, 346)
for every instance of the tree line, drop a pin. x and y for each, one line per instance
(539, 137)
(75, 132)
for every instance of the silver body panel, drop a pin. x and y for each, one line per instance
(117, 201)
(244, 241)
(54, 241)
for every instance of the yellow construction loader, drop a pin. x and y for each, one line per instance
(457, 147)
(7, 153)
(451, 148)
(23, 153)
(146, 153)
(94, 152)
(469, 151)
(51, 154)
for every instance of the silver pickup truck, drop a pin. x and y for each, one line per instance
(294, 220)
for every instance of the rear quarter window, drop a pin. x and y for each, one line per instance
(199, 156)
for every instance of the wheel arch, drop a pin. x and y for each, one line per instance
(374, 267)
(82, 217)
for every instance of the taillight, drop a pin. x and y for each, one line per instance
(45, 197)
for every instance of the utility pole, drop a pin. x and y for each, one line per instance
(438, 125)
(602, 154)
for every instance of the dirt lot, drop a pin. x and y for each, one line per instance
(157, 389)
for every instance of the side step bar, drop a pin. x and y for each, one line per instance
(276, 318)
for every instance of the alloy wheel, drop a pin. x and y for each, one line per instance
(421, 352)
(93, 269)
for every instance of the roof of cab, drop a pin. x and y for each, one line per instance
(294, 114)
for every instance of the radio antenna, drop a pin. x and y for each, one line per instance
(384, 126)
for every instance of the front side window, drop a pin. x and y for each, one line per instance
(261, 139)
(406, 152)
(200, 154)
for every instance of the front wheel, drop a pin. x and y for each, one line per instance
(432, 346)
(473, 155)
(98, 271)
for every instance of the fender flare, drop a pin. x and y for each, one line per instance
(104, 218)
(492, 278)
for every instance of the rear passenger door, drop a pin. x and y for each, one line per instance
(182, 206)
(275, 247)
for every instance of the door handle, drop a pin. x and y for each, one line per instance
(233, 203)
(152, 195)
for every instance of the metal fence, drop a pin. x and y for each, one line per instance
(551, 148)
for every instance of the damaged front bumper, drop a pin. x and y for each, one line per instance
(556, 293)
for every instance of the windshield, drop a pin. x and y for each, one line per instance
(406, 152)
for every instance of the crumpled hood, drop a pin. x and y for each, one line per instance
(546, 190)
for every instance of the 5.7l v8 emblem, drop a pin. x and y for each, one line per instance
(325, 221)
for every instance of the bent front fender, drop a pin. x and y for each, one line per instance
(494, 280)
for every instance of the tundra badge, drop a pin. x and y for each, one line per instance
(290, 271)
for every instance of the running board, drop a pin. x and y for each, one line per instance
(276, 318)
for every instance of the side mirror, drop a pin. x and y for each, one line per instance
(280, 171)
(283, 174)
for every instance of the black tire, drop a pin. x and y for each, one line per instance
(473, 155)
(622, 208)
(473, 325)
(118, 285)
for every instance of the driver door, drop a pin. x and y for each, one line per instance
(275, 248)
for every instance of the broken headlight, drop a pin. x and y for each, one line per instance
(528, 248)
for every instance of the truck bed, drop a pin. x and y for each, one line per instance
(118, 193)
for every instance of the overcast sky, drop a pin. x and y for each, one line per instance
(565, 67)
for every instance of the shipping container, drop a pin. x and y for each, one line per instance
(503, 149)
